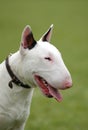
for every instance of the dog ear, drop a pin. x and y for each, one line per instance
(27, 40)
(47, 35)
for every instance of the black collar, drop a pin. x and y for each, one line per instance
(14, 77)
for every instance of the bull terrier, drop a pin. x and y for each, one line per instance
(36, 63)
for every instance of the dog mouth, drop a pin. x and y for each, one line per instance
(47, 89)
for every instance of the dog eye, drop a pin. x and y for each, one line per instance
(48, 58)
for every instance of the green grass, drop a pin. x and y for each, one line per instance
(70, 36)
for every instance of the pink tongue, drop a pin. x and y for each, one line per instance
(55, 93)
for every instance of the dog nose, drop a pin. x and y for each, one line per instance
(68, 84)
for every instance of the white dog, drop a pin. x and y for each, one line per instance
(36, 63)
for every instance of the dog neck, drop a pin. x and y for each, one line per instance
(14, 77)
(15, 64)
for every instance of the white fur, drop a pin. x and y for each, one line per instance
(15, 103)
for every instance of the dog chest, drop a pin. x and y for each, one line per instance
(15, 108)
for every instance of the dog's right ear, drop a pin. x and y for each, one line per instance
(27, 40)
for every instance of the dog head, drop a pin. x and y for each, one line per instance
(42, 64)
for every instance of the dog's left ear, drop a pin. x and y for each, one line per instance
(47, 35)
(27, 40)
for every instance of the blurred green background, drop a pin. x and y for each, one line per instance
(70, 36)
